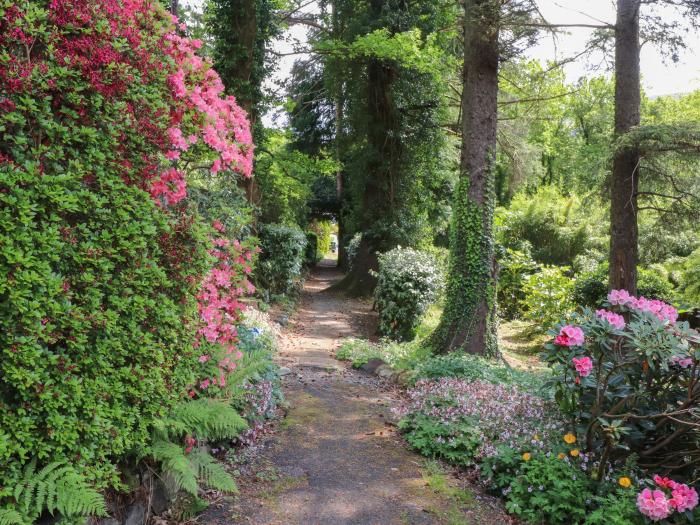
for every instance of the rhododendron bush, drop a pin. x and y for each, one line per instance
(629, 377)
(116, 300)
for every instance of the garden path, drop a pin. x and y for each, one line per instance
(335, 459)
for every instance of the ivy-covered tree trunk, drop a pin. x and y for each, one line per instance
(468, 321)
(625, 176)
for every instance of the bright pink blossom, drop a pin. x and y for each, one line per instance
(654, 504)
(683, 498)
(664, 483)
(583, 365)
(570, 336)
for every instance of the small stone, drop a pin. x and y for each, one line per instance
(136, 514)
(283, 371)
(371, 366)
(108, 521)
(385, 371)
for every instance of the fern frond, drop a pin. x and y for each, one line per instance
(57, 486)
(208, 419)
(176, 464)
(11, 517)
(211, 472)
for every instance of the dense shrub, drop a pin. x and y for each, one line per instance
(556, 228)
(408, 282)
(514, 267)
(629, 379)
(351, 249)
(591, 288)
(311, 254)
(116, 302)
(281, 258)
(547, 294)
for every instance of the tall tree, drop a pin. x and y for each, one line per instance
(467, 321)
(624, 184)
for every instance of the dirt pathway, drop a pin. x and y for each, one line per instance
(334, 460)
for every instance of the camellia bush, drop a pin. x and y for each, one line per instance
(116, 301)
(408, 282)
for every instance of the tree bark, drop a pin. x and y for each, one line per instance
(383, 170)
(625, 175)
(468, 320)
(174, 7)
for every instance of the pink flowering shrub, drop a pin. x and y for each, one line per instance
(629, 377)
(117, 301)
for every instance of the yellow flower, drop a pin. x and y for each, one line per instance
(574, 452)
(527, 456)
(537, 437)
(561, 455)
(625, 482)
(570, 438)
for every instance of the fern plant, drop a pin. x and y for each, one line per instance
(189, 467)
(57, 487)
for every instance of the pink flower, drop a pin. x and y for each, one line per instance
(204, 384)
(204, 358)
(682, 362)
(653, 504)
(683, 498)
(583, 365)
(612, 318)
(619, 297)
(664, 483)
(570, 336)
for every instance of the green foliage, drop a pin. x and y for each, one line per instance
(690, 278)
(358, 352)
(56, 488)
(551, 490)
(558, 228)
(547, 294)
(311, 252)
(456, 442)
(591, 288)
(281, 259)
(473, 368)
(515, 267)
(408, 282)
(615, 508)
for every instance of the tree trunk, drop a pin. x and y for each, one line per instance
(625, 176)
(383, 170)
(468, 321)
(174, 7)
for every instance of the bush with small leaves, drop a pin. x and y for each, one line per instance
(408, 282)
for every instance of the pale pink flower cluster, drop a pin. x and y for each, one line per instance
(657, 505)
(583, 365)
(613, 319)
(660, 309)
(570, 336)
(506, 414)
(683, 362)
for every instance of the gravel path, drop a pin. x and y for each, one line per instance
(335, 459)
